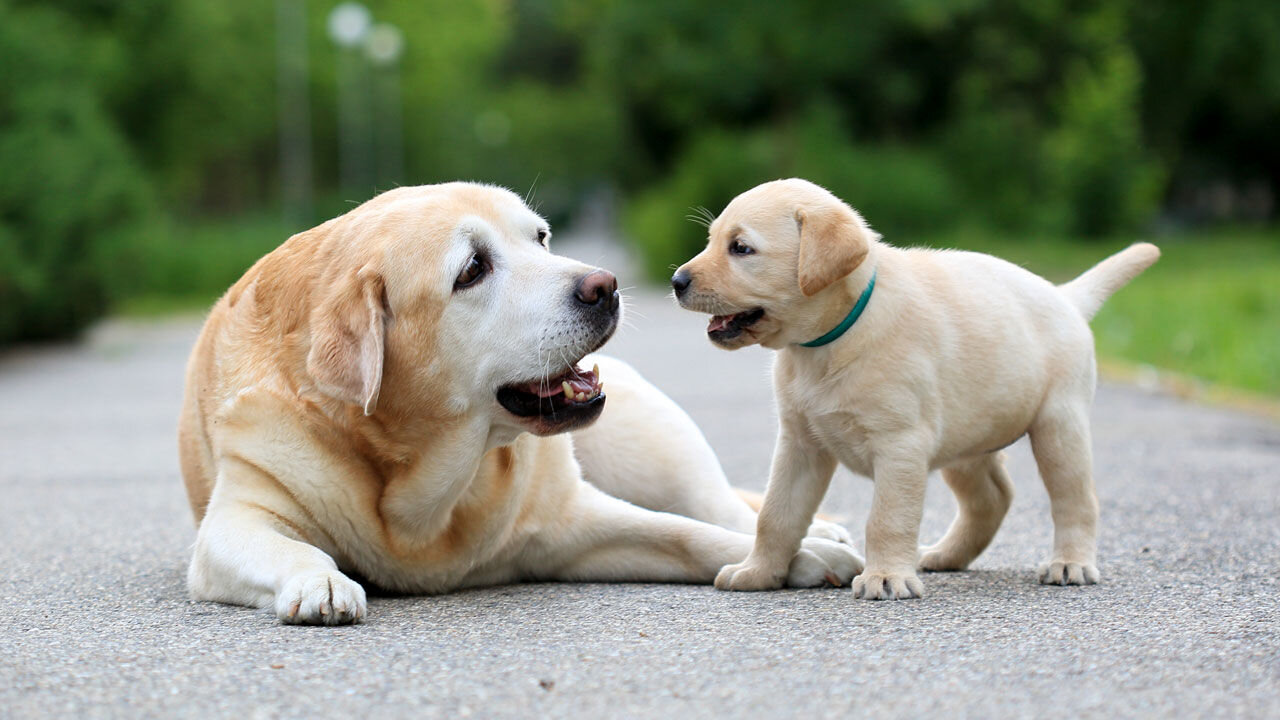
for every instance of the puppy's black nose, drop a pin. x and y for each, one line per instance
(598, 288)
(680, 281)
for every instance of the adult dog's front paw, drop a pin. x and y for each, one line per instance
(875, 585)
(823, 562)
(321, 598)
(748, 575)
(1061, 572)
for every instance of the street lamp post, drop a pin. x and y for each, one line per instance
(293, 105)
(349, 25)
(384, 47)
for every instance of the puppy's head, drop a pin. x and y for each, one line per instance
(445, 301)
(773, 249)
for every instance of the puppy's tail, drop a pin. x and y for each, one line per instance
(1100, 282)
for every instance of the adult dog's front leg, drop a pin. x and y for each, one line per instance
(799, 478)
(602, 538)
(250, 552)
(892, 531)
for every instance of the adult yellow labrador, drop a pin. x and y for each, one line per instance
(897, 362)
(390, 395)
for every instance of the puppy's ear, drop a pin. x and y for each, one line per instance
(348, 337)
(833, 242)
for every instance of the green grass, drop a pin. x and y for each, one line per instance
(1209, 308)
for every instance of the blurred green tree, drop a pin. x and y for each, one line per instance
(72, 196)
(121, 122)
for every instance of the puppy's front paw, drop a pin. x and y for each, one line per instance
(321, 598)
(1059, 572)
(887, 586)
(828, 530)
(823, 562)
(748, 575)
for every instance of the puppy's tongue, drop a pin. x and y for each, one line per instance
(719, 322)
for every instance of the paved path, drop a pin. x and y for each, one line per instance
(95, 534)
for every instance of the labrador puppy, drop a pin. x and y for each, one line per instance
(390, 395)
(898, 362)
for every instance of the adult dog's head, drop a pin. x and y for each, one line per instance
(444, 301)
(771, 255)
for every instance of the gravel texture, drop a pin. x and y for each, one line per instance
(96, 534)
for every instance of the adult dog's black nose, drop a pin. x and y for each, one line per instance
(680, 281)
(598, 288)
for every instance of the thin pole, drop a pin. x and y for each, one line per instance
(293, 108)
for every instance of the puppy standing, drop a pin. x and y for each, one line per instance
(897, 362)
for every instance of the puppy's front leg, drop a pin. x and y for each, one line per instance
(250, 550)
(602, 538)
(799, 478)
(892, 531)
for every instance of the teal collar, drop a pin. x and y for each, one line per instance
(848, 320)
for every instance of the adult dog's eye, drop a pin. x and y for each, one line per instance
(542, 237)
(471, 274)
(737, 248)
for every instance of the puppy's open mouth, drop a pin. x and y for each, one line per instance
(727, 327)
(570, 397)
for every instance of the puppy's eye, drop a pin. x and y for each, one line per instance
(737, 248)
(542, 237)
(471, 273)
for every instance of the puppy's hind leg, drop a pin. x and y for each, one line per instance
(983, 493)
(1060, 440)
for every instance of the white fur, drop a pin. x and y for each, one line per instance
(956, 356)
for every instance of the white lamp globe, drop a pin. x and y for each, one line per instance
(385, 44)
(349, 23)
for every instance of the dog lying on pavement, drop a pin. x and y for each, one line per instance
(391, 394)
(898, 362)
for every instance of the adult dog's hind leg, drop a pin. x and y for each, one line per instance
(983, 493)
(600, 538)
(646, 450)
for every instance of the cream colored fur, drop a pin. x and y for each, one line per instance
(340, 419)
(956, 356)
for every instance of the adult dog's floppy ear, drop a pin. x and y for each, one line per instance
(348, 338)
(833, 242)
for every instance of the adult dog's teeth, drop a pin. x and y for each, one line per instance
(568, 391)
(595, 370)
(581, 396)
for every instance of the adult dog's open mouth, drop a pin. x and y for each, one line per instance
(573, 397)
(727, 327)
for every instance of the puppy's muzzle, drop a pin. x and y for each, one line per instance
(680, 282)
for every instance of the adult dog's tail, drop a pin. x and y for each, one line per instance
(1091, 289)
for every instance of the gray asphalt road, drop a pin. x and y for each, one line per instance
(95, 533)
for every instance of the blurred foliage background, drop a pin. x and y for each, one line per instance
(140, 141)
